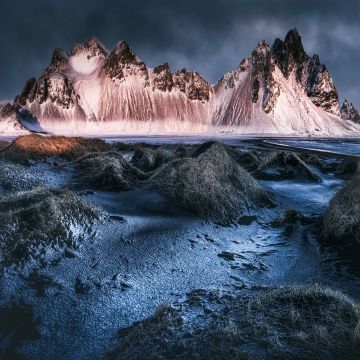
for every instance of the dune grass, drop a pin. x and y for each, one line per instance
(40, 218)
(211, 184)
(284, 323)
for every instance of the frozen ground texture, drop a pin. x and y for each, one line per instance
(72, 295)
(93, 91)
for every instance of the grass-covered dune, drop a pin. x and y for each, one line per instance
(341, 221)
(281, 165)
(107, 171)
(285, 323)
(42, 218)
(38, 147)
(210, 183)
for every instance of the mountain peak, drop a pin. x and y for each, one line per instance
(59, 61)
(119, 61)
(163, 67)
(274, 89)
(92, 46)
(59, 55)
(293, 37)
(289, 54)
(349, 112)
(124, 53)
(261, 47)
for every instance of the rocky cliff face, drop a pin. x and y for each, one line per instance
(163, 80)
(193, 85)
(278, 90)
(349, 112)
(291, 58)
(262, 69)
(289, 55)
(123, 62)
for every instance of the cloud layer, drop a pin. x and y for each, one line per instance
(209, 36)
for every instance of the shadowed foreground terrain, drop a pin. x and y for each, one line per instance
(291, 323)
(210, 250)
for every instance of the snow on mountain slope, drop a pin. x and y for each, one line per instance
(9, 123)
(278, 90)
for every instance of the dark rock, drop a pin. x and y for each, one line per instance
(42, 283)
(92, 46)
(262, 69)
(81, 287)
(58, 89)
(18, 324)
(288, 220)
(117, 218)
(228, 256)
(289, 54)
(246, 220)
(248, 160)
(28, 94)
(314, 76)
(193, 85)
(7, 110)
(163, 79)
(120, 59)
(289, 216)
(59, 62)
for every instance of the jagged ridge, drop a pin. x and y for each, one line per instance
(278, 89)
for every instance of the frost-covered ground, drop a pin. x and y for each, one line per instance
(150, 252)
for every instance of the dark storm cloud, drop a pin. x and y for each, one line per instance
(210, 36)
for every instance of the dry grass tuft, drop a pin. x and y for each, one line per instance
(211, 184)
(38, 147)
(341, 220)
(147, 159)
(107, 171)
(40, 218)
(280, 165)
(349, 168)
(286, 323)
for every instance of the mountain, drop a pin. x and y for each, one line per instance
(348, 112)
(278, 90)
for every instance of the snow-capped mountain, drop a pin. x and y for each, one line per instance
(278, 89)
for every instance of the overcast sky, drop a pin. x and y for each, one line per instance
(209, 36)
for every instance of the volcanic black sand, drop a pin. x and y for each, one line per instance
(179, 249)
